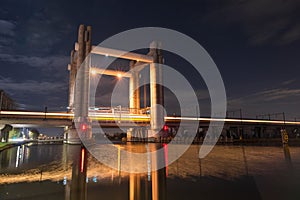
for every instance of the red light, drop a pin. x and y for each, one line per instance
(166, 158)
(83, 127)
(166, 128)
(82, 160)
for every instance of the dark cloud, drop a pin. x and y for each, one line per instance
(7, 34)
(268, 96)
(31, 86)
(48, 63)
(7, 28)
(291, 35)
(33, 94)
(288, 82)
(270, 100)
(268, 21)
(279, 94)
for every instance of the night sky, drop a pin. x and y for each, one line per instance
(255, 44)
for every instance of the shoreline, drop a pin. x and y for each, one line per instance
(293, 142)
(11, 145)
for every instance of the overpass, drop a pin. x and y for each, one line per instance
(141, 123)
(63, 119)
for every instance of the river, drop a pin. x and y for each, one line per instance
(70, 172)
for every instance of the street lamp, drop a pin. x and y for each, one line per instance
(119, 75)
(93, 72)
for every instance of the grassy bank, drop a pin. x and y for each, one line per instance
(4, 145)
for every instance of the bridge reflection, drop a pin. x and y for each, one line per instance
(70, 173)
(146, 186)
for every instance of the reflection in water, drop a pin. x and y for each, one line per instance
(287, 156)
(245, 161)
(22, 155)
(70, 173)
(150, 186)
(15, 158)
(77, 189)
(140, 187)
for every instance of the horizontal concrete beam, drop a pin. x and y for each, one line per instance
(31, 123)
(110, 72)
(139, 67)
(119, 54)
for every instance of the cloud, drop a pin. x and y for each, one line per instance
(267, 96)
(268, 101)
(49, 63)
(268, 21)
(45, 31)
(279, 94)
(291, 35)
(7, 28)
(288, 82)
(5, 41)
(31, 86)
(33, 95)
(7, 35)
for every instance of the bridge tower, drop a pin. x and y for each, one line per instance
(156, 90)
(134, 95)
(79, 70)
(156, 93)
(80, 82)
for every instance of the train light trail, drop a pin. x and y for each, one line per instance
(98, 116)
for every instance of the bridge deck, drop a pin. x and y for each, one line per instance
(61, 119)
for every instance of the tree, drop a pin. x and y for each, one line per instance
(14, 133)
(5, 132)
(34, 134)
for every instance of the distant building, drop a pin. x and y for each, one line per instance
(6, 103)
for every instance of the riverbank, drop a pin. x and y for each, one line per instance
(4, 146)
(243, 142)
(261, 142)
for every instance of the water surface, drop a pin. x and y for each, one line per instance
(228, 172)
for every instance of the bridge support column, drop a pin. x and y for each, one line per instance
(134, 90)
(156, 91)
(73, 71)
(129, 134)
(82, 85)
(71, 135)
(134, 97)
(83, 76)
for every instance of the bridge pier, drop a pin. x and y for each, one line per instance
(138, 132)
(71, 135)
(134, 90)
(156, 91)
(82, 85)
(129, 134)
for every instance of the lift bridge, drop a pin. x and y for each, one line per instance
(134, 117)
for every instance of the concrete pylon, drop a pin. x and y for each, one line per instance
(156, 90)
(134, 91)
(83, 72)
(72, 67)
(134, 96)
(80, 80)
